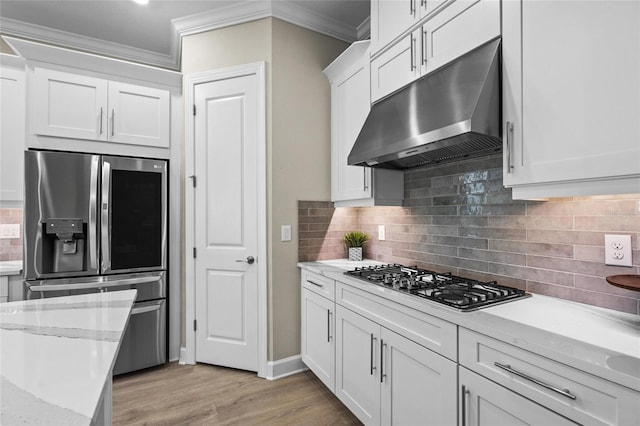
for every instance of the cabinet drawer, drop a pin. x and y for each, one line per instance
(318, 284)
(550, 383)
(433, 333)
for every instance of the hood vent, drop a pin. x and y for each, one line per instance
(449, 114)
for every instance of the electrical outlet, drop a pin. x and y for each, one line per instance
(285, 233)
(381, 233)
(9, 230)
(617, 250)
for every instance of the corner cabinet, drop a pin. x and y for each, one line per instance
(350, 104)
(82, 107)
(571, 98)
(12, 127)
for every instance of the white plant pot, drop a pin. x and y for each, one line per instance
(355, 253)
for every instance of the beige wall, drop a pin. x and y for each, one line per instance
(300, 163)
(4, 47)
(298, 142)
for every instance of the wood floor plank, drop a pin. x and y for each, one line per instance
(204, 394)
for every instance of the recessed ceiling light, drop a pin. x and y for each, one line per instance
(141, 1)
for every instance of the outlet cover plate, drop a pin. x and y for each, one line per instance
(381, 233)
(9, 230)
(617, 250)
(285, 233)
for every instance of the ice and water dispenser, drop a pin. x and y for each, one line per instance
(64, 244)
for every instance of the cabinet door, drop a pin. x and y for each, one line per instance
(390, 18)
(357, 363)
(12, 125)
(458, 29)
(69, 105)
(580, 96)
(396, 67)
(138, 115)
(486, 403)
(318, 343)
(351, 103)
(419, 386)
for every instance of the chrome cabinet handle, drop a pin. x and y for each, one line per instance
(371, 356)
(509, 132)
(413, 55)
(423, 52)
(329, 325)
(100, 120)
(465, 392)
(309, 281)
(563, 392)
(412, 7)
(382, 375)
(249, 260)
(113, 120)
(365, 185)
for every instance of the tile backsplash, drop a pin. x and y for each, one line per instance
(11, 248)
(458, 217)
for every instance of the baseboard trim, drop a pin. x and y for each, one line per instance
(285, 367)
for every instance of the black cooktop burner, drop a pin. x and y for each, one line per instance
(460, 293)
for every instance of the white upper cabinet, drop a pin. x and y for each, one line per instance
(139, 115)
(391, 18)
(571, 97)
(12, 127)
(446, 31)
(350, 105)
(82, 107)
(69, 105)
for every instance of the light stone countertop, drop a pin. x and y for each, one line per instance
(57, 356)
(600, 341)
(11, 267)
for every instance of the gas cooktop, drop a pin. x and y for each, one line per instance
(463, 294)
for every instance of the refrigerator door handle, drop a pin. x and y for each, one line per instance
(145, 308)
(93, 214)
(92, 285)
(105, 234)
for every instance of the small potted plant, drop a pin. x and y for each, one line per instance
(355, 240)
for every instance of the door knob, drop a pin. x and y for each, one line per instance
(250, 260)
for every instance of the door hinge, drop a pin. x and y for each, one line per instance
(195, 325)
(193, 180)
(195, 253)
(194, 109)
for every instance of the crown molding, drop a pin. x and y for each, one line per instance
(240, 12)
(87, 44)
(48, 54)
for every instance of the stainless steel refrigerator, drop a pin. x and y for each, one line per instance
(99, 223)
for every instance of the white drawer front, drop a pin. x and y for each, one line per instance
(597, 401)
(433, 333)
(318, 284)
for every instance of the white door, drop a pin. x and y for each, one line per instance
(226, 221)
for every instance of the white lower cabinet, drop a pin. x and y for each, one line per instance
(482, 402)
(317, 340)
(384, 378)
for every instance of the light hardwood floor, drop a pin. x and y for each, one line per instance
(208, 395)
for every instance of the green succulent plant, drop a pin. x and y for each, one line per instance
(355, 239)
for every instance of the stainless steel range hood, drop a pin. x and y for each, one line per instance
(451, 113)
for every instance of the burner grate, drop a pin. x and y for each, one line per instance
(463, 294)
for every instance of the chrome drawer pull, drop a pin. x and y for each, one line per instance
(563, 392)
(314, 283)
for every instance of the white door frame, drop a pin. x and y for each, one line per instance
(188, 353)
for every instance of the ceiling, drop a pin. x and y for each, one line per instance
(151, 33)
